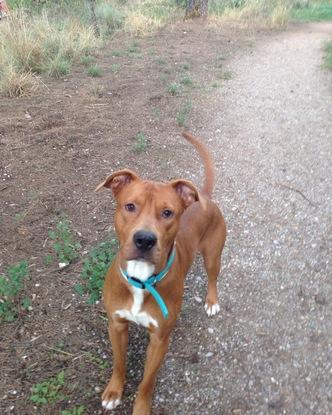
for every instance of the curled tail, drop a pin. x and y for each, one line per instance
(208, 163)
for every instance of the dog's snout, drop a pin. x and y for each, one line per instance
(145, 240)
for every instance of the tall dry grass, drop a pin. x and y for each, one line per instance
(32, 45)
(269, 14)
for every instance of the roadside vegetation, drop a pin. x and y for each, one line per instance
(50, 37)
(328, 55)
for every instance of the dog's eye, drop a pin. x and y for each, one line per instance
(167, 213)
(130, 207)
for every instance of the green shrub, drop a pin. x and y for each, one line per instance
(10, 288)
(49, 391)
(141, 142)
(63, 242)
(95, 267)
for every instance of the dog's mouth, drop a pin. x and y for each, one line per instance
(139, 269)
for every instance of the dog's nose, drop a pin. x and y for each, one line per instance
(145, 240)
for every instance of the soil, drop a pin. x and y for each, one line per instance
(57, 145)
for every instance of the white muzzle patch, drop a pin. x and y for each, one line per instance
(141, 270)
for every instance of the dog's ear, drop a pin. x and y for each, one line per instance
(187, 192)
(117, 181)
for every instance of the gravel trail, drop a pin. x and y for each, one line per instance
(274, 149)
(269, 351)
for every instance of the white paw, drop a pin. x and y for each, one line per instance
(212, 310)
(112, 404)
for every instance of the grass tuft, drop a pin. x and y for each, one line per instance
(182, 115)
(187, 80)
(173, 88)
(95, 71)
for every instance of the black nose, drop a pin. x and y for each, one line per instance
(145, 240)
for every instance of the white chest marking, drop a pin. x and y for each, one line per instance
(143, 271)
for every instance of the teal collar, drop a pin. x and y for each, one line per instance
(151, 281)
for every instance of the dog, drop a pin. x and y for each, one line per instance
(160, 227)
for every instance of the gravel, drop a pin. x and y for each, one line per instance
(269, 350)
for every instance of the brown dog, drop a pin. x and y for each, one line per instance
(160, 227)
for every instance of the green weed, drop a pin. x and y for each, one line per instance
(227, 75)
(49, 391)
(96, 360)
(182, 115)
(161, 61)
(215, 84)
(117, 53)
(115, 68)
(48, 259)
(63, 242)
(186, 66)
(95, 267)
(133, 48)
(94, 71)
(10, 288)
(87, 60)
(157, 112)
(173, 88)
(76, 410)
(328, 56)
(187, 80)
(141, 142)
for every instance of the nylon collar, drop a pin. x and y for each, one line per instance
(151, 281)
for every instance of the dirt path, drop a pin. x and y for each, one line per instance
(271, 345)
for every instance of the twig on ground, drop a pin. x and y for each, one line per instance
(297, 191)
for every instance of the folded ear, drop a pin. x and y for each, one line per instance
(187, 192)
(117, 181)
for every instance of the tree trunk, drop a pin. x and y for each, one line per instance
(196, 8)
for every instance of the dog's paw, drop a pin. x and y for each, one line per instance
(211, 309)
(111, 397)
(111, 404)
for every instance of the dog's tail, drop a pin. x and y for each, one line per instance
(208, 163)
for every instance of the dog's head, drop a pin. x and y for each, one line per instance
(147, 219)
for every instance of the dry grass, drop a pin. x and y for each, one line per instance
(145, 16)
(35, 45)
(14, 84)
(267, 14)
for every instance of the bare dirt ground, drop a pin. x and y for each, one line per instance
(269, 128)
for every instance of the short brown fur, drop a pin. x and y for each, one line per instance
(196, 225)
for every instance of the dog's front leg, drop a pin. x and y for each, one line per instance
(154, 358)
(118, 332)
